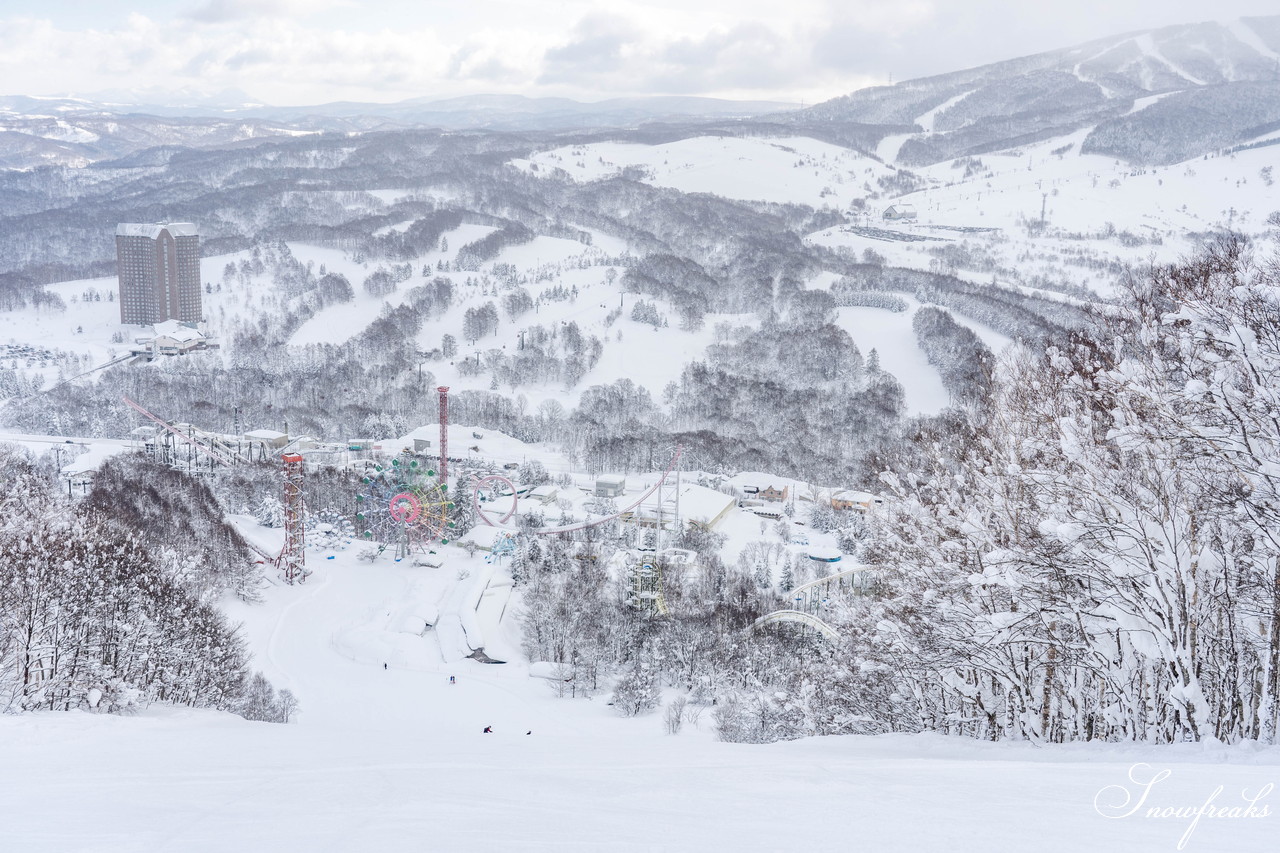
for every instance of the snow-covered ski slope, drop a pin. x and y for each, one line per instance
(650, 357)
(781, 169)
(395, 760)
(1100, 214)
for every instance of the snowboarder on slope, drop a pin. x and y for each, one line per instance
(488, 730)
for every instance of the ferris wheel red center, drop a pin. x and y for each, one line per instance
(405, 508)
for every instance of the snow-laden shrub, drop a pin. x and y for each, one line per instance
(329, 530)
(261, 702)
(636, 691)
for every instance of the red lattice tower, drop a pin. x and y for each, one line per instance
(293, 558)
(444, 435)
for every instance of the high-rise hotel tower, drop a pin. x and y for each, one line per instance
(159, 269)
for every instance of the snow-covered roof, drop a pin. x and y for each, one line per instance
(152, 230)
(758, 480)
(484, 536)
(174, 330)
(854, 497)
(703, 505)
(698, 504)
(265, 435)
(611, 479)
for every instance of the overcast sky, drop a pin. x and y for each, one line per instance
(312, 51)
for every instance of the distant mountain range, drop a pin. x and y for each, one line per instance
(1152, 97)
(76, 131)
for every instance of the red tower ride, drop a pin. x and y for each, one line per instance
(293, 559)
(444, 435)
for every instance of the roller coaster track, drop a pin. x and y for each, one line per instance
(204, 446)
(851, 574)
(583, 525)
(798, 618)
(217, 449)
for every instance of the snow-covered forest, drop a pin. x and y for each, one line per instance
(1090, 553)
(109, 604)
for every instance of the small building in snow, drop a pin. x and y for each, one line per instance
(610, 485)
(755, 485)
(482, 537)
(269, 438)
(900, 212)
(862, 502)
(702, 507)
(174, 338)
(544, 494)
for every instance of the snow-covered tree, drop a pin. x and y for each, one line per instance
(636, 690)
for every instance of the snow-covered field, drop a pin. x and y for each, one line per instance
(782, 169)
(891, 336)
(395, 759)
(1100, 215)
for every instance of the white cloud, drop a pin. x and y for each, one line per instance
(226, 11)
(309, 51)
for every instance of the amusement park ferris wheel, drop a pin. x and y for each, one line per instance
(404, 505)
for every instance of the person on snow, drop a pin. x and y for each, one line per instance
(488, 730)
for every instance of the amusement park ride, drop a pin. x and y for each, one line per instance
(209, 450)
(407, 505)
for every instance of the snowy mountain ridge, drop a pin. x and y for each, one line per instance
(1218, 85)
(1149, 97)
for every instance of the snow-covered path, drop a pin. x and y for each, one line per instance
(394, 760)
(206, 782)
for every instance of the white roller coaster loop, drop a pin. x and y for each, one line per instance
(798, 618)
